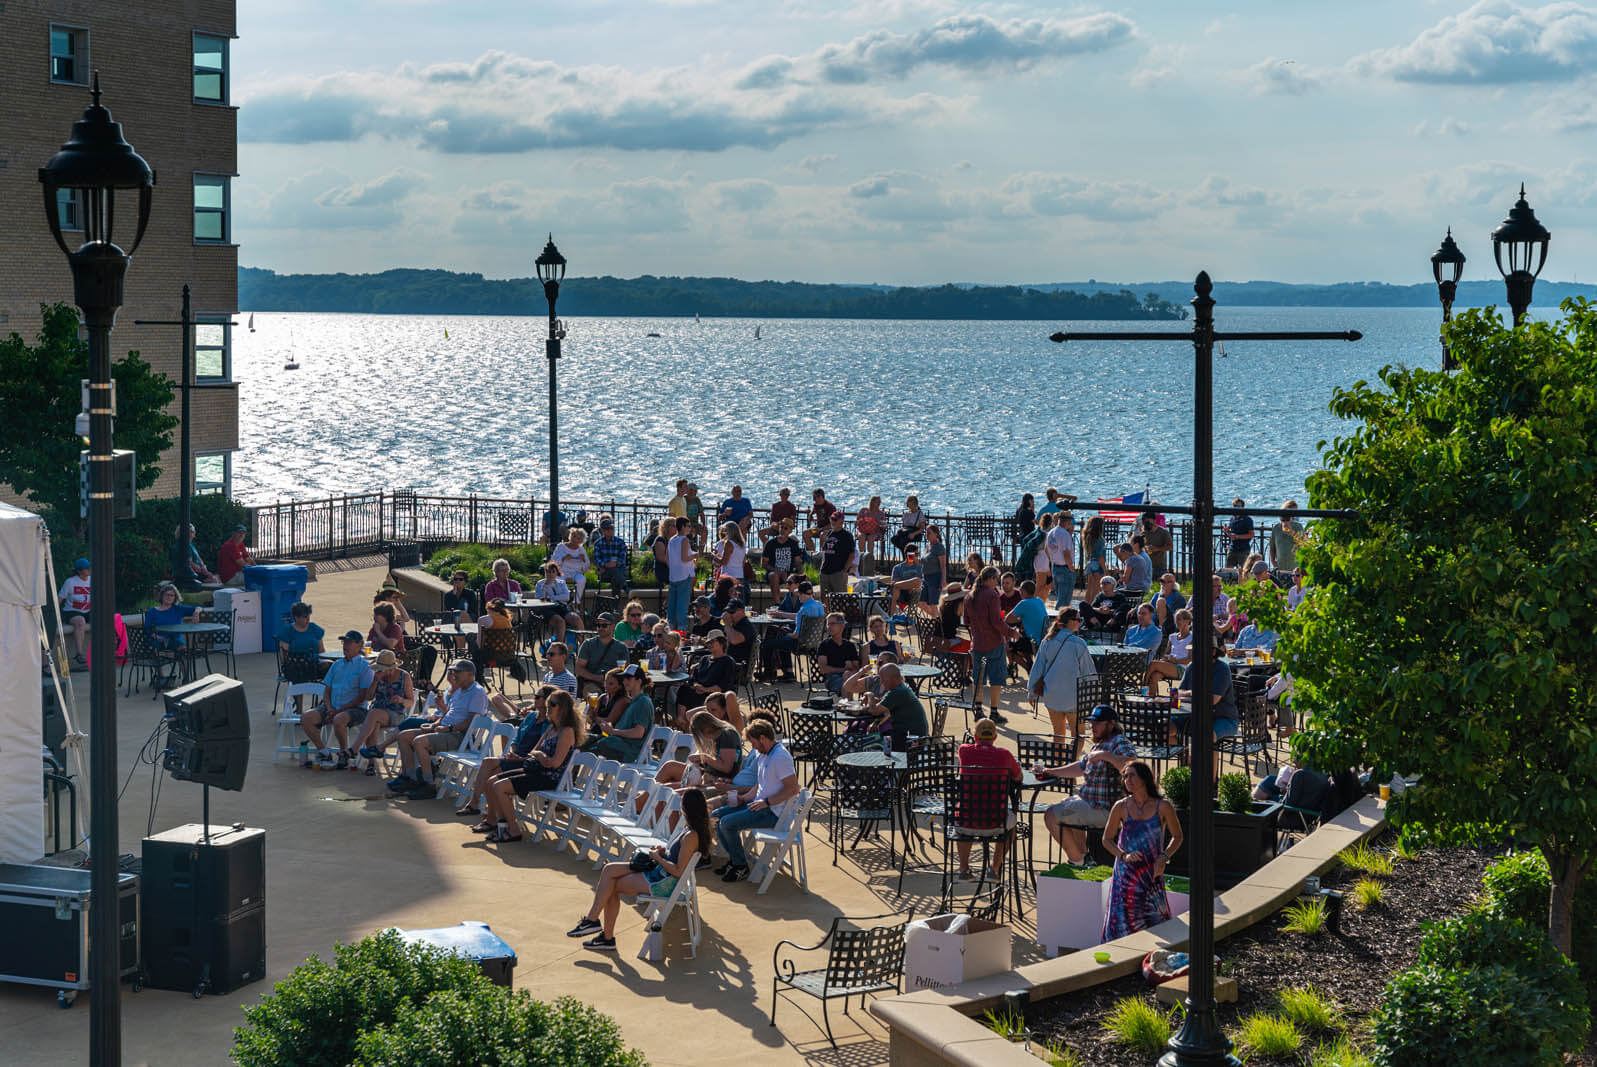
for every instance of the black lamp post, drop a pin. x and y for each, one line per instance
(551, 269)
(1526, 241)
(93, 165)
(1447, 264)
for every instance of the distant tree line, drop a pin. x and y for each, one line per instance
(438, 292)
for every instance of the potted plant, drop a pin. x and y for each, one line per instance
(1070, 906)
(1244, 829)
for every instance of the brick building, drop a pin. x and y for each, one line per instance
(165, 75)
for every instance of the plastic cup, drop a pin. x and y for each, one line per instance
(1101, 957)
(1386, 793)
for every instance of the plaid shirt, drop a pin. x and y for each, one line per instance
(1101, 786)
(610, 551)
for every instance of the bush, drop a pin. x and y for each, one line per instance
(1135, 1022)
(1519, 886)
(1306, 917)
(1490, 1014)
(526, 563)
(1235, 793)
(1308, 1009)
(1177, 787)
(490, 1026)
(1269, 1035)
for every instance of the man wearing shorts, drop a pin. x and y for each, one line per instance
(1100, 770)
(345, 685)
(74, 597)
(417, 747)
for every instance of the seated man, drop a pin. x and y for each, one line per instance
(704, 623)
(1224, 699)
(555, 672)
(898, 708)
(345, 685)
(233, 557)
(908, 578)
(1167, 601)
(715, 673)
(984, 757)
(417, 747)
(739, 632)
(1100, 768)
(612, 557)
(74, 596)
(867, 683)
(1136, 571)
(1030, 617)
(1104, 613)
(837, 657)
(1144, 633)
(1253, 636)
(598, 654)
(783, 557)
(759, 807)
(780, 647)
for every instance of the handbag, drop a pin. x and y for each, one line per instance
(642, 862)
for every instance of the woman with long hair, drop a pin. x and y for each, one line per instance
(1092, 551)
(658, 879)
(935, 564)
(1024, 520)
(717, 751)
(542, 769)
(870, 522)
(1137, 835)
(729, 553)
(950, 612)
(1062, 659)
(659, 541)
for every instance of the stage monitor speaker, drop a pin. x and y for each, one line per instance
(210, 709)
(203, 905)
(222, 764)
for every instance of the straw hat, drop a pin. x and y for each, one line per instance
(386, 659)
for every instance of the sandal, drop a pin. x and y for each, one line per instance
(484, 827)
(469, 809)
(503, 838)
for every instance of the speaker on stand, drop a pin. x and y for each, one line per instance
(204, 892)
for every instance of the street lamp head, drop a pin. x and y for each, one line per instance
(551, 264)
(1524, 237)
(92, 165)
(1447, 262)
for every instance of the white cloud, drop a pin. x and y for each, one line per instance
(329, 200)
(863, 190)
(746, 194)
(1275, 76)
(1495, 42)
(1059, 194)
(811, 164)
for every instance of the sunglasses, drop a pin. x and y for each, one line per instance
(634, 614)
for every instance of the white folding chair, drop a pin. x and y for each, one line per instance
(782, 846)
(600, 783)
(288, 732)
(576, 781)
(652, 827)
(648, 760)
(657, 912)
(609, 807)
(485, 737)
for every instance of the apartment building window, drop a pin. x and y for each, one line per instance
(69, 54)
(213, 349)
(211, 208)
(210, 68)
(69, 208)
(213, 473)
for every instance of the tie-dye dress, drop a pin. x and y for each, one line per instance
(1136, 896)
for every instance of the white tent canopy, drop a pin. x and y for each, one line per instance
(24, 590)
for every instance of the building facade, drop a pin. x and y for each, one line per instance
(165, 74)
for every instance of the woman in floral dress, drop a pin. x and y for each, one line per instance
(1136, 834)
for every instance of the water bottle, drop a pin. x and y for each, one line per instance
(304, 751)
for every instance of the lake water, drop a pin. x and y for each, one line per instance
(967, 414)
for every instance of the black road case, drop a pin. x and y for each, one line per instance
(44, 912)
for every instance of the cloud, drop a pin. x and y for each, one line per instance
(1274, 76)
(1059, 195)
(388, 189)
(864, 190)
(749, 194)
(811, 164)
(1495, 42)
(326, 200)
(502, 103)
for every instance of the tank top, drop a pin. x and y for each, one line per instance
(680, 571)
(734, 562)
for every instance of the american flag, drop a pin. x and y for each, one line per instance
(1128, 500)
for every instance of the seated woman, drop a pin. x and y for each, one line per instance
(485, 656)
(386, 631)
(879, 641)
(870, 523)
(168, 647)
(542, 769)
(527, 737)
(726, 588)
(666, 655)
(1178, 659)
(389, 700)
(632, 627)
(554, 589)
(392, 594)
(717, 750)
(715, 673)
(748, 772)
(658, 880)
(949, 611)
(612, 701)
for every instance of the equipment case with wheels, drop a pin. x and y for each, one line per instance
(45, 914)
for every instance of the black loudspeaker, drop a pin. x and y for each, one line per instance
(210, 709)
(209, 738)
(219, 763)
(54, 723)
(204, 909)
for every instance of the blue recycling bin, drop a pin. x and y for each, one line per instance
(281, 586)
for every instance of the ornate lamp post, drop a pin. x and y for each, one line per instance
(1447, 264)
(1526, 242)
(551, 270)
(92, 166)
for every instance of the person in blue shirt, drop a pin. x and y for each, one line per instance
(169, 612)
(907, 580)
(780, 648)
(1144, 633)
(1254, 637)
(736, 507)
(345, 686)
(1169, 600)
(1224, 698)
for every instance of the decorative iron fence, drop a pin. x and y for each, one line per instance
(374, 523)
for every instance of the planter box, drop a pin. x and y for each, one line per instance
(934, 957)
(1070, 912)
(1243, 842)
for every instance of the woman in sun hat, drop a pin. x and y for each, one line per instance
(391, 695)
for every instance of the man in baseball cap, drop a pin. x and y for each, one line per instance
(464, 702)
(1100, 770)
(74, 597)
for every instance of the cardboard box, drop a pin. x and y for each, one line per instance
(934, 957)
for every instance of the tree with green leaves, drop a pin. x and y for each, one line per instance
(1451, 634)
(39, 452)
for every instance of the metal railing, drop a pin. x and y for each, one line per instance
(372, 523)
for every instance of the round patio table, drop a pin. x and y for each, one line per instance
(874, 757)
(1097, 651)
(454, 629)
(916, 673)
(525, 604)
(190, 629)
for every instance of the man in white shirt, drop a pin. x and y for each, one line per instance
(417, 747)
(759, 807)
(74, 597)
(1060, 546)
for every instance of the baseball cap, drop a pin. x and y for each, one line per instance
(608, 617)
(735, 604)
(241, 528)
(706, 601)
(459, 576)
(985, 730)
(352, 635)
(463, 664)
(1102, 713)
(632, 670)
(80, 564)
(607, 524)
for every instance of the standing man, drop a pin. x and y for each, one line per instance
(1156, 541)
(1241, 537)
(74, 597)
(233, 557)
(1060, 545)
(1052, 506)
(839, 554)
(612, 557)
(1284, 540)
(677, 508)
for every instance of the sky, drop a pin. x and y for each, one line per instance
(912, 142)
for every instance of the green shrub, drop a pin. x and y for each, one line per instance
(1081, 874)
(1309, 1009)
(313, 1017)
(526, 563)
(1483, 939)
(1362, 857)
(1135, 1022)
(1269, 1035)
(489, 1026)
(1005, 1023)
(1177, 787)
(1057, 1054)
(1235, 793)
(1367, 893)
(1490, 1014)
(1518, 886)
(1306, 917)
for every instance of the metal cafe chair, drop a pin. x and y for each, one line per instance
(860, 960)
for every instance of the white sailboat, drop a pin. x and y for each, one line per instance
(252, 322)
(756, 333)
(292, 363)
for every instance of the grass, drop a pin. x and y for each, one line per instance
(1367, 893)
(1269, 1035)
(1406, 848)
(1341, 1053)
(1057, 1055)
(1309, 1009)
(1307, 917)
(1135, 1022)
(1006, 1024)
(1366, 860)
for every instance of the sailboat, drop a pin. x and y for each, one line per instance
(252, 322)
(1222, 349)
(756, 333)
(696, 318)
(292, 363)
